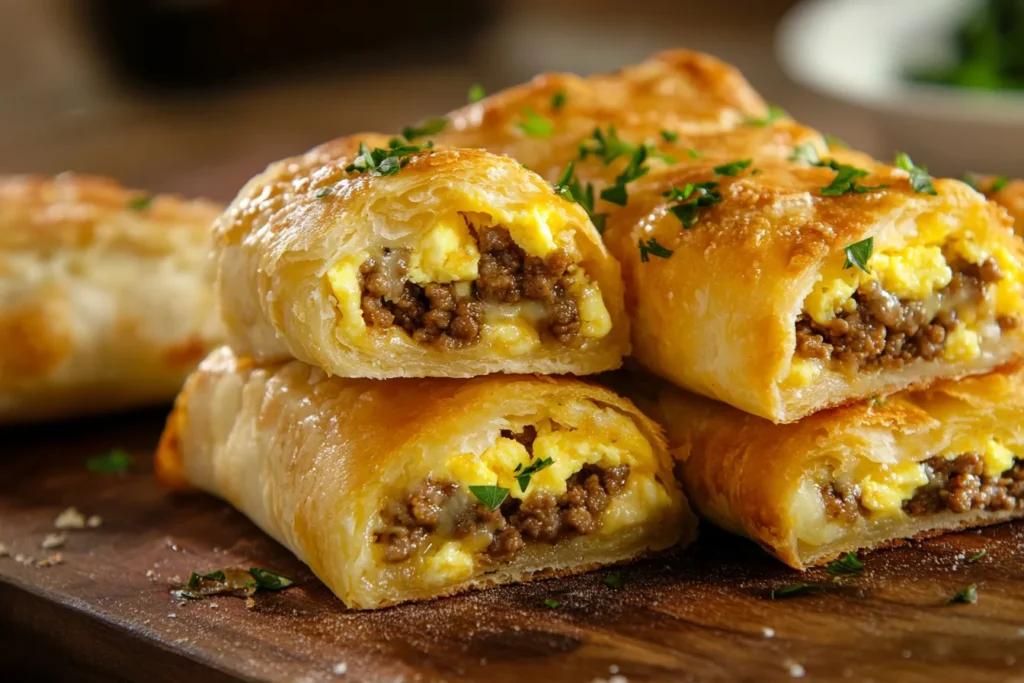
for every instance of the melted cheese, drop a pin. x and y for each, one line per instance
(595, 320)
(885, 489)
(802, 372)
(450, 564)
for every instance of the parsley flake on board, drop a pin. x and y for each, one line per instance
(968, 595)
(425, 129)
(806, 153)
(558, 100)
(476, 93)
(268, 580)
(691, 199)
(732, 168)
(977, 556)
(792, 589)
(524, 474)
(613, 580)
(774, 114)
(535, 125)
(858, 253)
(140, 203)
(570, 188)
(669, 136)
(919, 178)
(846, 181)
(491, 497)
(847, 564)
(551, 603)
(652, 248)
(112, 462)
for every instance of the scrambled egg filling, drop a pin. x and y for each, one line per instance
(916, 272)
(448, 253)
(618, 442)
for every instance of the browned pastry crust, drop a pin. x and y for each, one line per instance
(102, 306)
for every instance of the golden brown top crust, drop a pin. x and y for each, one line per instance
(76, 211)
(1011, 198)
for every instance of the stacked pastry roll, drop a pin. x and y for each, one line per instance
(395, 403)
(837, 337)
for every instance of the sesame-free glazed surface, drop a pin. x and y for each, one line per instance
(705, 615)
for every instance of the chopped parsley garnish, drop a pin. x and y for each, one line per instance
(694, 154)
(971, 179)
(733, 168)
(606, 146)
(833, 141)
(551, 603)
(968, 595)
(847, 564)
(140, 203)
(491, 497)
(268, 580)
(569, 187)
(535, 125)
(652, 248)
(691, 199)
(382, 162)
(558, 100)
(112, 462)
(194, 578)
(806, 153)
(524, 474)
(999, 183)
(669, 136)
(792, 589)
(846, 181)
(919, 178)
(476, 93)
(635, 169)
(425, 130)
(774, 114)
(977, 556)
(613, 580)
(858, 253)
(324, 191)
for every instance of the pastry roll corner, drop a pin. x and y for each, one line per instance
(869, 475)
(105, 303)
(458, 263)
(415, 488)
(782, 299)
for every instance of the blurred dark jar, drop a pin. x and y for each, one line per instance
(190, 44)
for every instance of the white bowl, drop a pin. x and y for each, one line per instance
(859, 51)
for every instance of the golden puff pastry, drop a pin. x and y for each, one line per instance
(104, 299)
(743, 284)
(454, 263)
(868, 475)
(679, 103)
(1009, 195)
(415, 488)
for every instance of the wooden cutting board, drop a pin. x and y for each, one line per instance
(106, 611)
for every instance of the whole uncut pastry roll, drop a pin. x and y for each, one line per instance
(105, 302)
(447, 263)
(414, 488)
(786, 288)
(869, 475)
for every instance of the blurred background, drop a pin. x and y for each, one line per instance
(195, 96)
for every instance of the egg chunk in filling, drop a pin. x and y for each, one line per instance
(874, 497)
(944, 295)
(539, 483)
(469, 280)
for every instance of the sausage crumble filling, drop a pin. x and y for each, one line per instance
(884, 331)
(451, 315)
(957, 485)
(446, 511)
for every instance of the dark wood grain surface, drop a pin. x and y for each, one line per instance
(106, 612)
